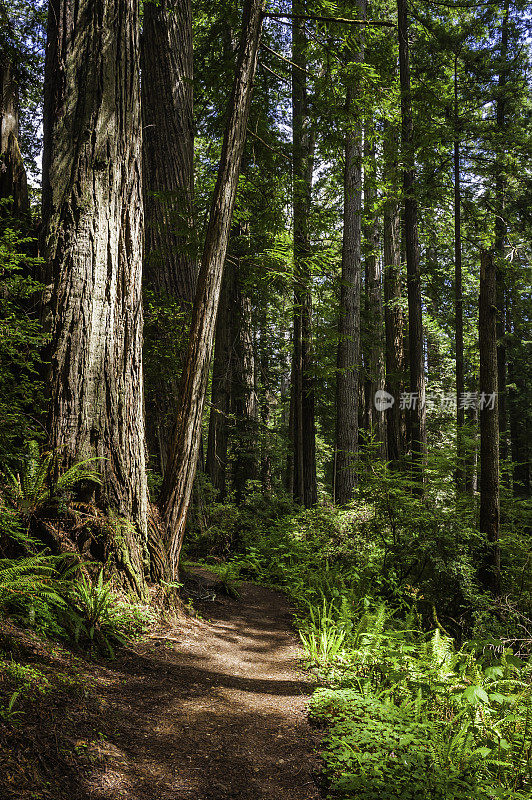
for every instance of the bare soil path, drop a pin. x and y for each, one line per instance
(218, 712)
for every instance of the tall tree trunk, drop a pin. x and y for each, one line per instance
(13, 181)
(244, 396)
(375, 376)
(168, 182)
(519, 411)
(500, 236)
(410, 227)
(458, 299)
(348, 353)
(93, 217)
(177, 486)
(393, 314)
(216, 463)
(304, 426)
(489, 424)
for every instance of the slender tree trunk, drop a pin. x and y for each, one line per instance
(216, 463)
(500, 238)
(348, 353)
(304, 426)
(93, 218)
(489, 424)
(375, 372)
(458, 299)
(519, 412)
(177, 486)
(13, 181)
(168, 179)
(410, 226)
(393, 314)
(244, 395)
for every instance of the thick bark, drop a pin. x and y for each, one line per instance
(393, 314)
(168, 182)
(13, 181)
(179, 478)
(304, 425)
(375, 375)
(93, 218)
(216, 462)
(489, 424)
(410, 228)
(348, 353)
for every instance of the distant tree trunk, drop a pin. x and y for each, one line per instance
(179, 478)
(410, 223)
(244, 395)
(168, 182)
(393, 314)
(265, 410)
(13, 181)
(216, 463)
(304, 426)
(489, 424)
(93, 217)
(375, 374)
(500, 237)
(519, 411)
(458, 300)
(348, 353)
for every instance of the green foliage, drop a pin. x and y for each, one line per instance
(41, 484)
(95, 619)
(21, 339)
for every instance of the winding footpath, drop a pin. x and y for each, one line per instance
(213, 710)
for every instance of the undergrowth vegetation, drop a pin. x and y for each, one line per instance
(425, 681)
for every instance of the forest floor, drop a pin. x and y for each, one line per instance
(212, 708)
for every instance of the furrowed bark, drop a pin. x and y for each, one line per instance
(168, 181)
(13, 182)
(177, 486)
(92, 208)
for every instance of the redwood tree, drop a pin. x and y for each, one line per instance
(179, 477)
(93, 216)
(168, 183)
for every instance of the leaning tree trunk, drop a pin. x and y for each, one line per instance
(168, 182)
(304, 427)
(410, 227)
(179, 477)
(393, 313)
(490, 571)
(348, 352)
(93, 217)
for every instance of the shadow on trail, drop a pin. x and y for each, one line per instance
(219, 715)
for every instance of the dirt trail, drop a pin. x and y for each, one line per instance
(217, 713)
